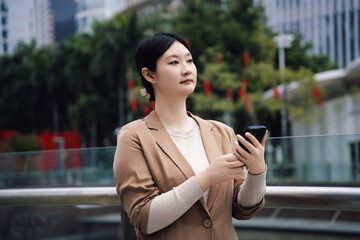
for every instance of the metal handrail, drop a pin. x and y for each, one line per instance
(326, 198)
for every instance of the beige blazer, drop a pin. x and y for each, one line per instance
(148, 163)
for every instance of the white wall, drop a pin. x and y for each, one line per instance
(326, 156)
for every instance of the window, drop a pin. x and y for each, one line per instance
(3, 7)
(5, 47)
(94, 4)
(352, 35)
(3, 20)
(81, 5)
(327, 20)
(4, 34)
(320, 34)
(343, 34)
(336, 38)
(358, 32)
(355, 160)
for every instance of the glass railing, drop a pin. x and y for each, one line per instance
(60, 168)
(323, 160)
(332, 160)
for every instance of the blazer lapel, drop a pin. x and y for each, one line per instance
(165, 142)
(210, 141)
(212, 144)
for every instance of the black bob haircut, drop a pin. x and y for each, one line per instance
(150, 50)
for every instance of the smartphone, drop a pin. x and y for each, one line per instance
(257, 131)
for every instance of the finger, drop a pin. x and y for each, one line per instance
(235, 164)
(253, 140)
(264, 139)
(236, 151)
(240, 158)
(239, 173)
(230, 157)
(244, 142)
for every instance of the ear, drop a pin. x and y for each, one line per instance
(148, 75)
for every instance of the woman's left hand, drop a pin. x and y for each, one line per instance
(254, 159)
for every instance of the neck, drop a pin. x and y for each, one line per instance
(173, 114)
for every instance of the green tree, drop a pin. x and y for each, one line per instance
(298, 57)
(24, 88)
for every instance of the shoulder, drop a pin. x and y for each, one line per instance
(219, 125)
(130, 130)
(216, 126)
(224, 129)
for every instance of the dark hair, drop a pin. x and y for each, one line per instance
(150, 50)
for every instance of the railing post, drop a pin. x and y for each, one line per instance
(127, 229)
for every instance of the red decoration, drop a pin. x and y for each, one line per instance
(207, 88)
(71, 140)
(148, 108)
(318, 95)
(187, 42)
(276, 93)
(229, 94)
(133, 104)
(131, 85)
(242, 91)
(219, 58)
(246, 59)
(249, 104)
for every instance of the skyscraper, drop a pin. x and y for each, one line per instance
(333, 26)
(4, 44)
(64, 18)
(24, 21)
(91, 10)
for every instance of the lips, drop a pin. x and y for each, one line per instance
(186, 81)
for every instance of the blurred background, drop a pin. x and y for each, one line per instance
(68, 82)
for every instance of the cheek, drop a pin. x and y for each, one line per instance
(195, 72)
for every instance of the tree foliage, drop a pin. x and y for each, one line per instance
(297, 57)
(76, 84)
(82, 83)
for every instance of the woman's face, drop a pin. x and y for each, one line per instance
(175, 73)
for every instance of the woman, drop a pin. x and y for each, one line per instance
(179, 176)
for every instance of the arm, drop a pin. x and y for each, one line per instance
(169, 206)
(133, 180)
(249, 196)
(252, 191)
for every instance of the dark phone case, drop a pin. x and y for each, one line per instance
(257, 131)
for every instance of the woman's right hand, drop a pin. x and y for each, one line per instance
(224, 168)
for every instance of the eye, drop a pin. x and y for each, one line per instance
(190, 60)
(173, 62)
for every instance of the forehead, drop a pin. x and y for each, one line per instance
(177, 49)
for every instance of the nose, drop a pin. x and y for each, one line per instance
(186, 70)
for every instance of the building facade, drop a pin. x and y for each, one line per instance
(4, 44)
(89, 11)
(64, 18)
(333, 26)
(44, 22)
(24, 21)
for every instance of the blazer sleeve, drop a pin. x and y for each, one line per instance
(133, 180)
(240, 212)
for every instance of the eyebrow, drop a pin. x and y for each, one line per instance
(177, 56)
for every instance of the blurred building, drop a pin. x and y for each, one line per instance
(333, 26)
(145, 7)
(4, 45)
(89, 11)
(24, 21)
(64, 18)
